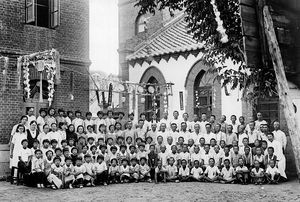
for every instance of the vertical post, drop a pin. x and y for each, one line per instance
(41, 87)
(283, 88)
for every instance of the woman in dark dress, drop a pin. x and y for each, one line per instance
(32, 133)
(70, 133)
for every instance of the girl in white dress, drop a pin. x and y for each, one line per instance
(15, 148)
(23, 121)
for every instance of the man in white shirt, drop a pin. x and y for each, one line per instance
(185, 118)
(163, 133)
(278, 151)
(279, 135)
(195, 121)
(176, 120)
(208, 135)
(184, 132)
(203, 123)
(165, 121)
(173, 132)
(234, 124)
(110, 119)
(196, 135)
(259, 121)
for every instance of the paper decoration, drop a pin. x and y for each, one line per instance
(6, 61)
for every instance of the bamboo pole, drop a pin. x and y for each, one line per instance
(283, 88)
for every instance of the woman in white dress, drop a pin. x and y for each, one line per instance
(23, 121)
(16, 146)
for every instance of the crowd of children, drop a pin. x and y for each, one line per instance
(65, 152)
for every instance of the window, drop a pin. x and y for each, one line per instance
(269, 107)
(43, 13)
(203, 100)
(141, 24)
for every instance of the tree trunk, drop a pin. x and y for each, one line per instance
(283, 88)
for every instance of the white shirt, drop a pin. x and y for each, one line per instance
(208, 137)
(272, 171)
(184, 172)
(220, 136)
(202, 126)
(88, 122)
(25, 154)
(253, 135)
(227, 174)
(240, 139)
(41, 122)
(99, 122)
(30, 118)
(280, 136)
(55, 136)
(163, 157)
(99, 168)
(195, 157)
(211, 171)
(196, 172)
(277, 148)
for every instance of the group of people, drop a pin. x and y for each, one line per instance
(62, 151)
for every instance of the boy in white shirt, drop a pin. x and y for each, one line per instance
(172, 171)
(184, 172)
(211, 172)
(163, 155)
(257, 174)
(227, 173)
(100, 169)
(272, 173)
(197, 172)
(195, 156)
(88, 175)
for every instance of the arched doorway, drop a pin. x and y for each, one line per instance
(203, 91)
(152, 76)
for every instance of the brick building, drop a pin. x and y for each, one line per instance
(158, 49)
(28, 26)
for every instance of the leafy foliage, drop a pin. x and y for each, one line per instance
(202, 24)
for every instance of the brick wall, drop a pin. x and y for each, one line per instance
(71, 39)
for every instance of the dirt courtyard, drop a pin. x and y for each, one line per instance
(289, 191)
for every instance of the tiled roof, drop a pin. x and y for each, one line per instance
(172, 38)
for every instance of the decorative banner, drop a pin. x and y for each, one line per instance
(98, 97)
(4, 71)
(19, 69)
(181, 100)
(110, 89)
(103, 100)
(165, 101)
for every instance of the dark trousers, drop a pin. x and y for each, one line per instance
(38, 177)
(114, 177)
(152, 173)
(101, 178)
(23, 168)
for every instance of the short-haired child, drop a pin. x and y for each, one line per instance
(197, 172)
(242, 172)
(124, 171)
(257, 174)
(160, 173)
(211, 172)
(144, 170)
(135, 170)
(227, 173)
(79, 170)
(56, 175)
(184, 171)
(272, 173)
(172, 171)
(88, 175)
(114, 172)
(101, 171)
(68, 173)
(37, 168)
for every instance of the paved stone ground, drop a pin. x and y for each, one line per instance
(289, 191)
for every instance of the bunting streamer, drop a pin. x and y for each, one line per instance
(6, 60)
(19, 72)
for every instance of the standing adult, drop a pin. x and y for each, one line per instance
(23, 121)
(279, 135)
(15, 148)
(278, 151)
(49, 119)
(30, 116)
(259, 121)
(32, 133)
(41, 119)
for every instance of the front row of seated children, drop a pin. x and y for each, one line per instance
(83, 171)
(211, 173)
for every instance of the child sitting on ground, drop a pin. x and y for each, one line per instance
(160, 173)
(68, 173)
(38, 168)
(184, 172)
(272, 173)
(56, 174)
(114, 173)
(135, 170)
(211, 172)
(242, 172)
(227, 173)
(257, 174)
(88, 175)
(100, 170)
(79, 170)
(197, 172)
(124, 171)
(172, 171)
(144, 170)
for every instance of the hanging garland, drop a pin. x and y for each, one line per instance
(48, 61)
(5, 65)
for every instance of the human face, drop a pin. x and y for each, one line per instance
(233, 119)
(259, 116)
(163, 127)
(54, 127)
(30, 112)
(43, 114)
(51, 112)
(175, 114)
(21, 129)
(33, 126)
(197, 128)
(276, 125)
(203, 117)
(24, 120)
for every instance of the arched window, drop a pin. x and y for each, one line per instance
(140, 24)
